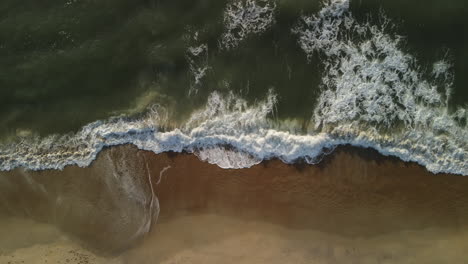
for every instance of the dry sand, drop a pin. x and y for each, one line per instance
(211, 239)
(26, 241)
(218, 239)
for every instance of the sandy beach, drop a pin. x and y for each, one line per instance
(354, 207)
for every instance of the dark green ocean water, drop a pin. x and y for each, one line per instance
(64, 63)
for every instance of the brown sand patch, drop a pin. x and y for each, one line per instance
(354, 207)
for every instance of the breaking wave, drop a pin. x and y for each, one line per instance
(373, 95)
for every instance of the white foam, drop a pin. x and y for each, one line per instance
(370, 85)
(197, 58)
(374, 96)
(246, 17)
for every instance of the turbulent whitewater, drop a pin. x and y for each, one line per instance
(373, 94)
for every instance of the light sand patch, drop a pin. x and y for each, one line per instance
(210, 238)
(30, 242)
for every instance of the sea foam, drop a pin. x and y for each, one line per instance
(374, 95)
(244, 18)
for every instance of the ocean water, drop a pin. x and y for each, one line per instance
(252, 80)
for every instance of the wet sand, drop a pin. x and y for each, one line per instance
(354, 207)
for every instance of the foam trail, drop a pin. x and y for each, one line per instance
(374, 95)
